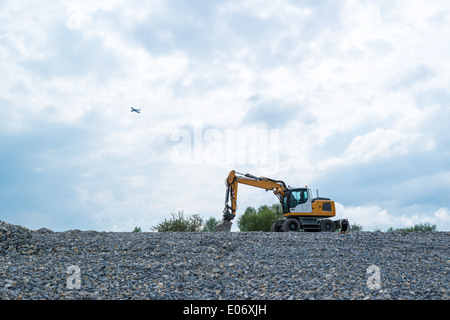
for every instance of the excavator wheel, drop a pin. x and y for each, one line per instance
(327, 225)
(277, 226)
(291, 225)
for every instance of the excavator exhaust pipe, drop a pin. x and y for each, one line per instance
(224, 226)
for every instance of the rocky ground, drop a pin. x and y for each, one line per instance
(76, 264)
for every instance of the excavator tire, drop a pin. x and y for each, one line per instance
(291, 225)
(276, 227)
(327, 225)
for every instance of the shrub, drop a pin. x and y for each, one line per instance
(356, 227)
(210, 225)
(418, 227)
(179, 223)
(260, 220)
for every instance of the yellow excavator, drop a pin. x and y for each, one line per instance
(300, 210)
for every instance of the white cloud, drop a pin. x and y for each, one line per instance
(347, 84)
(442, 215)
(379, 144)
(373, 217)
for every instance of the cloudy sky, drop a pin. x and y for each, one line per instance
(348, 97)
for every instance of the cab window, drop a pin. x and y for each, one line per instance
(298, 197)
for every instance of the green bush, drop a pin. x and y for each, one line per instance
(137, 229)
(416, 228)
(179, 223)
(210, 225)
(356, 227)
(258, 220)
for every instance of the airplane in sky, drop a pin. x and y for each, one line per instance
(135, 110)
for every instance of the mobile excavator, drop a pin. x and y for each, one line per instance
(300, 210)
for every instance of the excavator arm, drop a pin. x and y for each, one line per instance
(233, 180)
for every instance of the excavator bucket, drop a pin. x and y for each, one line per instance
(345, 228)
(225, 226)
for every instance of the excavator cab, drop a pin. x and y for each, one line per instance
(297, 200)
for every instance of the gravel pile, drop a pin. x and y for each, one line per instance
(77, 264)
(16, 239)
